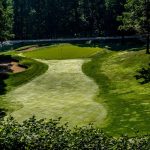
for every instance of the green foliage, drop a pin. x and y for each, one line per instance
(6, 19)
(43, 135)
(144, 74)
(137, 18)
(65, 18)
(114, 8)
(134, 16)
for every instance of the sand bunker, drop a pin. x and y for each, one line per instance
(13, 67)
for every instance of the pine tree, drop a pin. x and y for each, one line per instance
(6, 20)
(137, 17)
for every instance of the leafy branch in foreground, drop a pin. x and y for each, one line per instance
(42, 135)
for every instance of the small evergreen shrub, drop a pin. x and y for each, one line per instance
(144, 74)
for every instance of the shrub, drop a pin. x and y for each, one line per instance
(144, 74)
(51, 135)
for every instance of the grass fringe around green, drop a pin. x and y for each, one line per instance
(34, 69)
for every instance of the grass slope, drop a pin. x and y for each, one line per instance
(62, 51)
(35, 69)
(126, 100)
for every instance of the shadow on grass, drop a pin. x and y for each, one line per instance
(4, 59)
(120, 110)
(144, 75)
(3, 77)
(2, 113)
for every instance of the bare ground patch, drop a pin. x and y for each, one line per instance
(28, 48)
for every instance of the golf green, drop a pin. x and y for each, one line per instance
(62, 51)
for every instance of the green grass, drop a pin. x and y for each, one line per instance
(62, 91)
(34, 69)
(115, 102)
(62, 51)
(126, 100)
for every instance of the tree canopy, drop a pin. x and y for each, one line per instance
(6, 19)
(39, 19)
(34, 19)
(137, 17)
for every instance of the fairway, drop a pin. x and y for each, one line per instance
(100, 89)
(63, 91)
(62, 51)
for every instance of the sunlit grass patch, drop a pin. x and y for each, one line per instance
(62, 51)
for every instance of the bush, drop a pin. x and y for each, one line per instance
(144, 74)
(51, 135)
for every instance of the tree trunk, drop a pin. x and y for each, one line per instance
(1, 45)
(147, 47)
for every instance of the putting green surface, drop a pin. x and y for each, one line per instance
(62, 51)
(64, 90)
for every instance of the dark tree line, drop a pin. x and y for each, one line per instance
(38, 19)
(137, 17)
(35, 19)
(6, 19)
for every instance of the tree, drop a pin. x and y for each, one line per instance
(6, 20)
(35, 19)
(114, 8)
(137, 17)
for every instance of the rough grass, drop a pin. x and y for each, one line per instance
(126, 100)
(34, 69)
(62, 51)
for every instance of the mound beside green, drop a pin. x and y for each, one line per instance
(62, 51)
(126, 100)
(34, 69)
